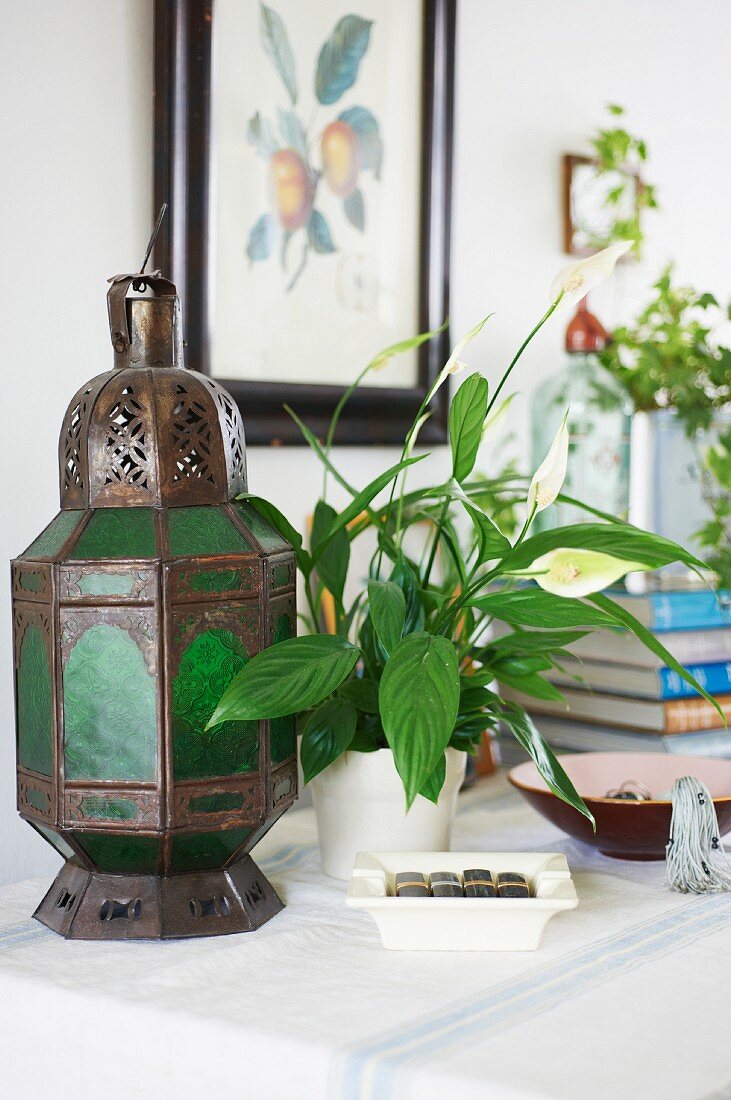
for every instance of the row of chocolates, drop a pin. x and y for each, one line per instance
(474, 883)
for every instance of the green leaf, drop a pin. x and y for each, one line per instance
(433, 786)
(318, 234)
(276, 44)
(286, 678)
(280, 522)
(354, 209)
(332, 563)
(528, 682)
(534, 641)
(293, 132)
(491, 542)
(327, 735)
(340, 58)
(362, 693)
(261, 239)
(259, 133)
(405, 577)
(534, 607)
(369, 139)
(387, 605)
(528, 736)
(649, 640)
(621, 540)
(466, 417)
(419, 699)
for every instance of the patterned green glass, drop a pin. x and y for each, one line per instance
(111, 809)
(35, 717)
(205, 851)
(117, 533)
(203, 530)
(106, 584)
(282, 737)
(217, 580)
(38, 799)
(267, 536)
(216, 803)
(49, 543)
(55, 840)
(206, 668)
(109, 708)
(31, 582)
(120, 854)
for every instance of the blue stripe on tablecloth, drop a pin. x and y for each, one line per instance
(376, 1061)
(30, 931)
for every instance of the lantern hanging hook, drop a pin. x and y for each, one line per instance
(153, 238)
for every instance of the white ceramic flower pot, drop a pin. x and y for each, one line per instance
(360, 806)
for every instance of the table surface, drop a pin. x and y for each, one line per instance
(625, 993)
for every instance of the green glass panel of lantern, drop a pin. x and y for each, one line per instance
(120, 854)
(49, 543)
(218, 580)
(109, 708)
(206, 668)
(31, 582)
(55, 840)
(282, 735)
(117, 533)
(106, 584)
(216, 803)
(101, 807)
(35, 721)
(202, 531)
(267, 536)
(206, 851)
(39, 800)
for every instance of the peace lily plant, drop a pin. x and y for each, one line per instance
(409, 667)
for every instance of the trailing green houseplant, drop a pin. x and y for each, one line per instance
(408, 667)
(669, 358)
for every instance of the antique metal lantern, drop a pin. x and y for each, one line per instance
(132, 612)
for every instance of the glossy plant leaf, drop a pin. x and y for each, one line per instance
(369, 139)
(362, 693)
(326, 736)
(528, 736)
(340, 57)
(318, 234)
(466, 417)
(287, 677)
(620, 540)
(261, 239)
(332, 563)
(433, 786)
(276, 44)
(387, 605)
(355, 210)
(405, 577)
(419, 699)
(534, 607)
(534, 641)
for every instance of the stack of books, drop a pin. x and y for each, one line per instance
(621, 697)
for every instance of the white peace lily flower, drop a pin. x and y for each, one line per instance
(457, 366)
(576, 280)
(567, 572)
(549, 477)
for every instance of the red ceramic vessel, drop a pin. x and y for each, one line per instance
(624, 829)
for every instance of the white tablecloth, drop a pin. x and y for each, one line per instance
(626, 995)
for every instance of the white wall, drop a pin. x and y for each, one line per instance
(532, 79)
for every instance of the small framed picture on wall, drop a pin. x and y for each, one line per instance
(305, 151)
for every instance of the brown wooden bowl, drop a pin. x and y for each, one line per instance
(624, 829)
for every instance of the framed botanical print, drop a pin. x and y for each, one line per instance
(305, 152)
(596, 202)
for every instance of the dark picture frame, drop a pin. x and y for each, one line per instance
(182, 136)
(571, 164)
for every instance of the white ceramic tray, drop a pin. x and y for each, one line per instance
(461, 924)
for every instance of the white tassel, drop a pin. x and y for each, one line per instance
(697, 862)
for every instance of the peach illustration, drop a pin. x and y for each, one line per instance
(340, 158)
(290, 188)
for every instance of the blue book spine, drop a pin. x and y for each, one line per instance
(689, 610)
(716, 679)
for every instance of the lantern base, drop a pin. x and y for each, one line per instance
(92, 905)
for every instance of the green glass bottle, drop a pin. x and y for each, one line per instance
(598, 422)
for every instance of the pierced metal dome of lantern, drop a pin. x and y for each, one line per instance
(132, 612)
